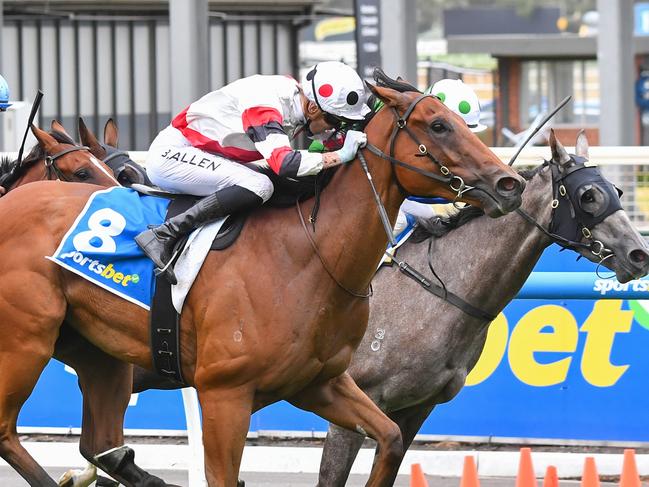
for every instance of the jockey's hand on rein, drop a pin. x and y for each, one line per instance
(354, 140)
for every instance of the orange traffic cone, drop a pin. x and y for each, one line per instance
(590, 478)
(417, 477)
(526, 477)
(469, 473)
(629, 477)
(551, 478)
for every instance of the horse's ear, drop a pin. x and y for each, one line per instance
(581, 147)
(559, 153)
(391, 97)
(88, 139)
(45, 140)
(57, 126)
(111, 134)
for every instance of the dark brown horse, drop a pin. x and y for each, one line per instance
(268, 319)
(55, 157)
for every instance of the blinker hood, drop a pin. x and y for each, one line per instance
(569, 219)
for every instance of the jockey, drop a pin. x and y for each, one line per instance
(206, 149)
(461, 99)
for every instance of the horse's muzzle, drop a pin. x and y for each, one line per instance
(510, 187)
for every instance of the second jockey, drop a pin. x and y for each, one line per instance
(206, 148)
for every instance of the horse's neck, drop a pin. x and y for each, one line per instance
(487, 261)
(34, 172)
(349, 232)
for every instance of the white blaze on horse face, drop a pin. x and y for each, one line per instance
(96, 162)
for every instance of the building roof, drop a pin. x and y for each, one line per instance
(534, 46)
(131, 6)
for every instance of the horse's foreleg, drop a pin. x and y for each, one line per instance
(29, 325)
(20, 371)
(340, 450)
(106, 384)
(342, 402)
(410, 421)
(226, 419)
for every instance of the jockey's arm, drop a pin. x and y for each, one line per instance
(263, 124)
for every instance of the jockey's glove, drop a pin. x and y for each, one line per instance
(354, 140)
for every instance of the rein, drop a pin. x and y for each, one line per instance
(456, 183)
(560, 193)
(324, 264)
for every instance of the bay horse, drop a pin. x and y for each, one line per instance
(56, 156)
(428, 346)
(125, 170)
(283, 323)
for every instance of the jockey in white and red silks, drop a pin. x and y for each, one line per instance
(208, 146)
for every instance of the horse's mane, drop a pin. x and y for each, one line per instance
(9, 168)
(437, 227)
(385, 81)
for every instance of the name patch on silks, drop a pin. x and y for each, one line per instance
(100, 244)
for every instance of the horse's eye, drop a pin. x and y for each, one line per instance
(588, 197)
(82, 174)
(438, 127)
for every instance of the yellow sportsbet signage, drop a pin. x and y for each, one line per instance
(553, 329)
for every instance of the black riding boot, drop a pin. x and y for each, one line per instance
(158, 242)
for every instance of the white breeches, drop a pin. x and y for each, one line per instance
(175, 165)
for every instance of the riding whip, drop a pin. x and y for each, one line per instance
(540, 125)
(32, 115)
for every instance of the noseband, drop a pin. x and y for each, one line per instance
(53, 171)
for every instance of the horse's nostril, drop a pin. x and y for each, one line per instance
(638, 256)
(507, 185)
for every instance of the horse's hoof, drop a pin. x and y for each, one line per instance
(106, 482)
(241, 483)
(66, 479)
(78, 478)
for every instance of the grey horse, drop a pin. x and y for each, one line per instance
(427, 345)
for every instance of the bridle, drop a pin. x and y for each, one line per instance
(568, 222)
(113, 153)
(456, 183)
(52, 169)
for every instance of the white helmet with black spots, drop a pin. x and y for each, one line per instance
(337, 89)
(461, 99)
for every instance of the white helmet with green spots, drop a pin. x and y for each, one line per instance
(461, 99)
